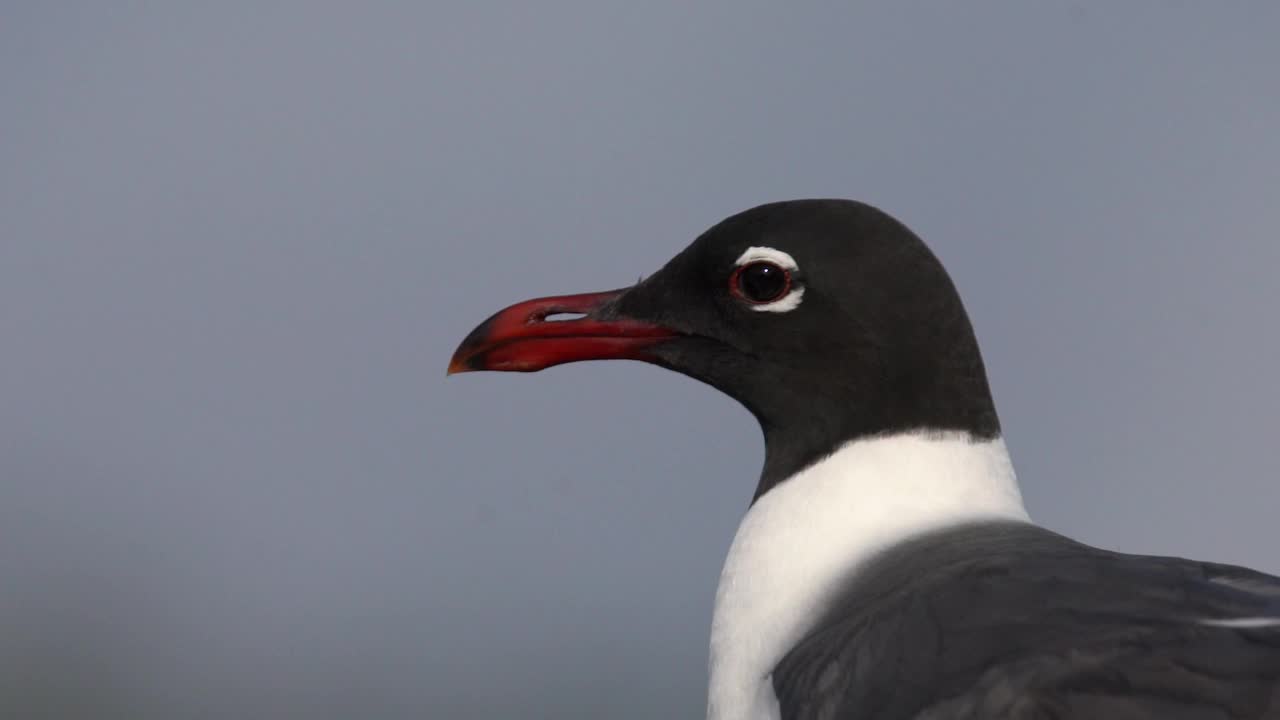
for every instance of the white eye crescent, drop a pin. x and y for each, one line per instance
(763, 279)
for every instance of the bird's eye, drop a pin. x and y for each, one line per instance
(767, 279)
(761, 282)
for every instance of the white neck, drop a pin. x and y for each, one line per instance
(806, 536)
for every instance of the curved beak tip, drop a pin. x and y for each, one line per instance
(461, 361)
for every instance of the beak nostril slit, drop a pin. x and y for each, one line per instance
(563, 316)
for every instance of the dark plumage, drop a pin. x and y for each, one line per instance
(880, 344)
(1011, 621)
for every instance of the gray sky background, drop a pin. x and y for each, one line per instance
(238, 243)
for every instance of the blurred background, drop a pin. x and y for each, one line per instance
(239, 241)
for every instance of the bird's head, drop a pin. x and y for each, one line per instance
(828, 319)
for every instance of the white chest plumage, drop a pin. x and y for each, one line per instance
(805, 536)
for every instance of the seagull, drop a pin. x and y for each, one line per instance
(886, 567)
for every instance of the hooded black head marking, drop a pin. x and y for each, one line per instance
(879, 343)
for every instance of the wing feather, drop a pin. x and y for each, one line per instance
(1005, 621)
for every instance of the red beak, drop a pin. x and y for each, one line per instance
(521, 338)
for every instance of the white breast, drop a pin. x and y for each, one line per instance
(804, 537)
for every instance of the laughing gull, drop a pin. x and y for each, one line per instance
(886, 567)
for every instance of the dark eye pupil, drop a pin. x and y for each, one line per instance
(763, 282)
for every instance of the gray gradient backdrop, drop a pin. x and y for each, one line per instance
(239, 242)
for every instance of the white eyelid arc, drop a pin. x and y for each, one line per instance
(766, 254)
(791, 300)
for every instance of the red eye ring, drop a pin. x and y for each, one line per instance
(760, 282)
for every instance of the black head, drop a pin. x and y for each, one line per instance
(828, 319)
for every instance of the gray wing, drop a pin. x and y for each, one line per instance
(1002, 621)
